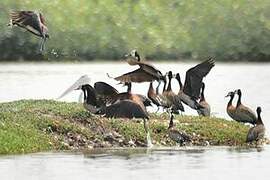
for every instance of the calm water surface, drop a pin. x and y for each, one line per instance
(190, 163)
(48, 81)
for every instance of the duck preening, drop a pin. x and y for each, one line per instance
(176, 135)
(243, 113)
(145, 73)
(230, 107)
(205, 111)
(33, 22)
(257, 132)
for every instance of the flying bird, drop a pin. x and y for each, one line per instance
(33, 22)
(145, 73)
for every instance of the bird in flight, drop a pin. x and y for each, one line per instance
(33, 22)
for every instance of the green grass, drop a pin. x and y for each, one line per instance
(42, 125)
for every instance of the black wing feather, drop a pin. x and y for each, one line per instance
(105, 89)
(28, 20)
(194, 76)
(125, 109)
(138, 75)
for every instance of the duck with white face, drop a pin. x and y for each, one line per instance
(230, 107)
(133, 57)
(145, 73)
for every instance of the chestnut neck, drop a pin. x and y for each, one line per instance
(230, 101)
(151, 89)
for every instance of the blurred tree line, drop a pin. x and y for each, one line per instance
(171, 29)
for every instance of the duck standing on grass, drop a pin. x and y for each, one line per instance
(206, 110)
(173, 99)
(257, 132)
(176, 135)
(151, 94)
(243, 113)
(230, 107)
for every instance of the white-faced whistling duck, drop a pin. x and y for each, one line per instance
(185, 98)
(174, 100)
(193, 83)
(205, 111)
(145, 73)
(176, 135)
(165, 103)
(243, 113)
(151, 94)
(257, 132)
(230, 107)
(32, 21)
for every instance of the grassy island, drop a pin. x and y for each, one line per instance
(43, 125)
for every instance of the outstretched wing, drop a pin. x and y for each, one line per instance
(81, 81)
(194, 76)
(28, 20)
(139, 75)
(151, 69)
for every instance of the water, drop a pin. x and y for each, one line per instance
(188, 163)
(48, 81)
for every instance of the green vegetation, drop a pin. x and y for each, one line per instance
(173, 29)
(40, 125)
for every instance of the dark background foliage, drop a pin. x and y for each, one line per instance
(174, 29)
